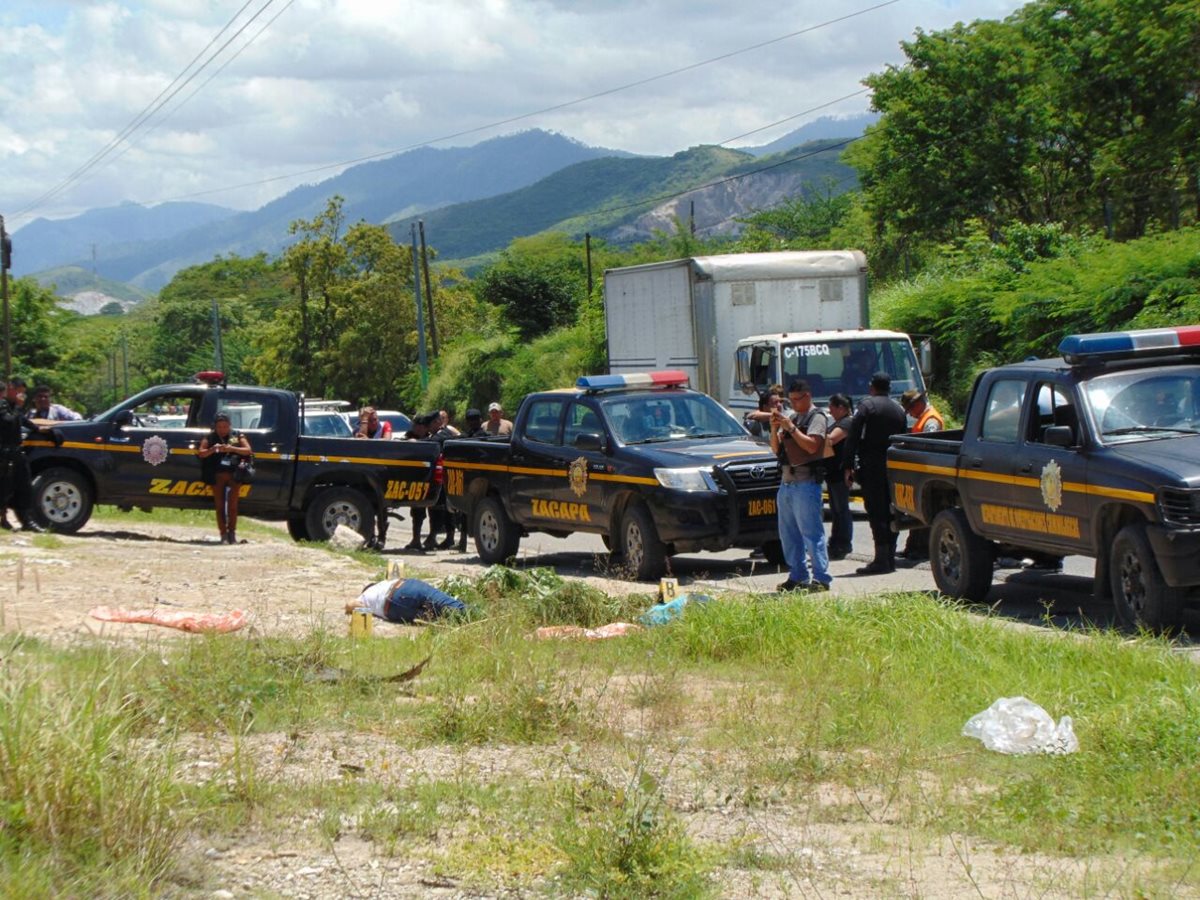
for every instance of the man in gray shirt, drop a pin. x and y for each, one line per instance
(799, 442)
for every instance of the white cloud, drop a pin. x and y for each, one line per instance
(335, 80)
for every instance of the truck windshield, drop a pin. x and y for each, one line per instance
(658, 416)
(1145, 404)
(845, 366)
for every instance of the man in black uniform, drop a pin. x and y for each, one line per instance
(877, 418)
(16, 481)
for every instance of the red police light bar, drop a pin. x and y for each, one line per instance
(210, 378)
(665, 378)
(1082, 348)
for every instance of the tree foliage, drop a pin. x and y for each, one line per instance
(349, 327)
(1084, 112)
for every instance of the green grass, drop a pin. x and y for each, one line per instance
(841, 711)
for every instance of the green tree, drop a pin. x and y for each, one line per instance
(1083, 112)
(539, 282)
(247, 291)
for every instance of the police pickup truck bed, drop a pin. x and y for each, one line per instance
(142, 453)
(1096, 453)
(653, 467)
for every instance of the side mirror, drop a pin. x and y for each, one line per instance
(1059, 436)
(925, 351)
(124, 418)
(589, 440)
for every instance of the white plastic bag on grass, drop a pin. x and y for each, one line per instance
(1017, 726)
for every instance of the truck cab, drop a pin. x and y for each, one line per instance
(653, 467)
(1096, 453)
(832, 362)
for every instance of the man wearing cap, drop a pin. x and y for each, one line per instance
(877, 418)
(496, 423)
(418, 432)
(925, 419)
(440, 517)
(917, 407)
(473, 424)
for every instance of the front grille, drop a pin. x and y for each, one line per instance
(759, 476)
(1180, 507)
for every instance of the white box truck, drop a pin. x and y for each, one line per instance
(738, 323)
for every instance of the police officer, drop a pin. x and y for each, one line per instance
(925, 419)
(16, 481)
(877, 418)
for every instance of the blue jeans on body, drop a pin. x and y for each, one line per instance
(413, 599)
(802, 532)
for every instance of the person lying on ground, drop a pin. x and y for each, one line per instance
(405, 600)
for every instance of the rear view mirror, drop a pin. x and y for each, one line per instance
(589, 440)
(1059, 436)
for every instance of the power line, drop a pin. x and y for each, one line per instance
(155, 105)
(164, 118)
(540, 112)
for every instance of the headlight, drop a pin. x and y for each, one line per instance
(686, 479)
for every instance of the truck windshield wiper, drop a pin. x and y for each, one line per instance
(1143, 429)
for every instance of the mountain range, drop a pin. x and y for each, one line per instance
(473, 200)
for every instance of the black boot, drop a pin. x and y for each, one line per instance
(883, 563)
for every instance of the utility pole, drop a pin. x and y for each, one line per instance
(428, 289)
(422, 361)
(587, 248)
(218, 356)
(125, 364)
(5, 265)
(692, 217)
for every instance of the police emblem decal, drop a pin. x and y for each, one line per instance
(155, 451)
(577, 476)
(1052, 490)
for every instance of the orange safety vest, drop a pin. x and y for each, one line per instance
(930, 413)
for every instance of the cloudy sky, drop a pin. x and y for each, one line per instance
(283, 93)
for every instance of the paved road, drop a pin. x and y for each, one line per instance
(1024, 594)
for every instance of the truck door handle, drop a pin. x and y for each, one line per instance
(976, 462)
(1028, 467)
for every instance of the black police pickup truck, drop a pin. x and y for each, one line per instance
(310, 471)
(654, 468)
(1095, 453)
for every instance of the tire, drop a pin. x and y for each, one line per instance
(641, 550)
(297, 528)
(496, 535)
(1142, 598)
(336, 506)
(62, 500)
(960, 559)
(773, 553)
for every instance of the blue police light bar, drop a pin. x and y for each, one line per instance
(665, 378)
(1082, 348)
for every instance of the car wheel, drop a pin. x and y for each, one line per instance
(62, 500)
(960, 559)
(336, 506)
(496, 535)
(297, 529)
(643, 553)
(1143, 599)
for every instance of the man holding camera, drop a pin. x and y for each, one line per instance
(798, 440)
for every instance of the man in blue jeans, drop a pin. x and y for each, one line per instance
(799, 442)
(405, 600)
